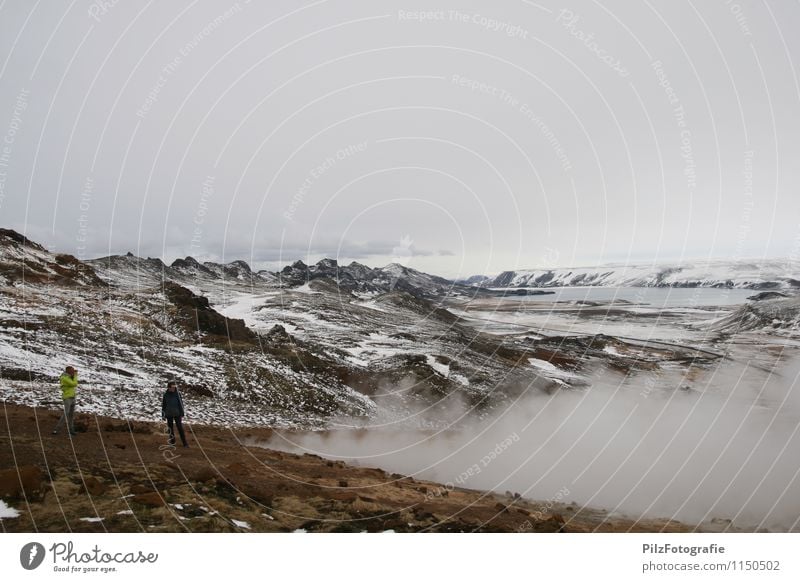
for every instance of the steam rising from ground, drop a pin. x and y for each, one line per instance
(641, 446)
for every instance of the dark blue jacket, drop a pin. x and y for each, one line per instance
(172, 405)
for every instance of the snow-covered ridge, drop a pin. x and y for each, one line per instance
(22, 260)
(768, 274)
(132, 271)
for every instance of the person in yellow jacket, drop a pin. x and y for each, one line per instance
(69, 382)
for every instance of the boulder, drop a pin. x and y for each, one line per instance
(204, 474)
(93, 486)
(151, 499)
(25, 482)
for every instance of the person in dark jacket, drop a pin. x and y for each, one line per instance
(172, 411)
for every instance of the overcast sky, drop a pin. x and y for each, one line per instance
(454, 137)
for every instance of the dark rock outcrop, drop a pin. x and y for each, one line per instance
(764, 295)
(196, 314)
(24, 482)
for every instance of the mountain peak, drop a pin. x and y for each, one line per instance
(396, 268)
(327, 263)
(241, 265)
(188, 261)
(9, 237)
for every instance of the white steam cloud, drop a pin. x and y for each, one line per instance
(725, 450)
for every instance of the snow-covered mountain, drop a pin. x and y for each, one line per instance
(356, 277)
(771, 274)
(130, 270)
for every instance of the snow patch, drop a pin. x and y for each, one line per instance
(377, 306)
(438, 367)
(305, 289)
(7, 512)
(550, 369)
(460, 379)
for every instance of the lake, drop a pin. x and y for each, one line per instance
(651, 296)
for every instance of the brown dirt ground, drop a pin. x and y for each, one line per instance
(126, 474)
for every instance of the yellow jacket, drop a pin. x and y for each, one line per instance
(68, 385)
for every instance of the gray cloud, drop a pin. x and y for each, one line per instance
(511, 136)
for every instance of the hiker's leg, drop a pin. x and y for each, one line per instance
(69, 410)
(180, 429)
(63, 417)
(170, 430)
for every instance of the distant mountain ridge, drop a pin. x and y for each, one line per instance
(768, 274)
(128, 269)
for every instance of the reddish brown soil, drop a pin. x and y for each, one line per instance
(124, 473)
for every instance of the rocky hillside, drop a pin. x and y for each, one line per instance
(777, 313)
(248, 348)
(23, 261)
